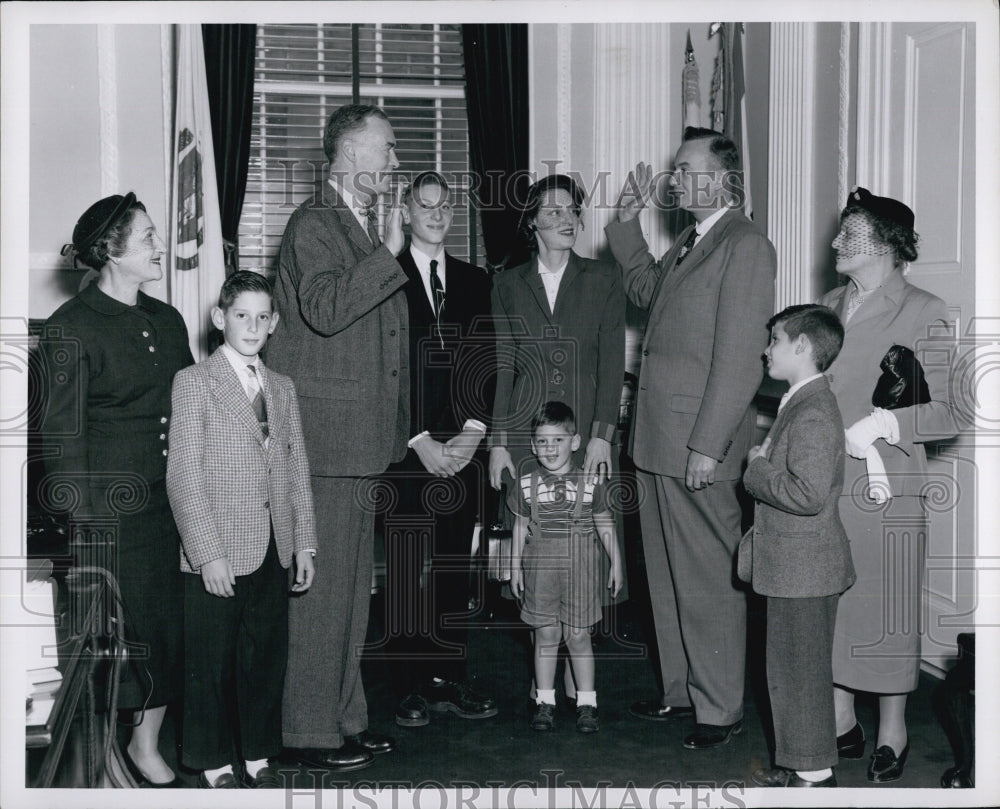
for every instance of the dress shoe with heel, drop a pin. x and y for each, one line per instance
(852, 743)
(708, 736)
(886, 766)
(142, 780)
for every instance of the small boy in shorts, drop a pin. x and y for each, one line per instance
(561, 522)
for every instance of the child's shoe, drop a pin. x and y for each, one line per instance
(544, 717)
(586, 719)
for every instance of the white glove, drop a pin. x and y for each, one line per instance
(865, 432)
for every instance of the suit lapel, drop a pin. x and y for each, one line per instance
(228, 388)
(276, 401)
(669, 273)
(357, 234)
(413, 274)
(574, 268)
(531, 277)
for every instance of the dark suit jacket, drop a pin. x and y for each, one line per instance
(798, 547)
(575, 354)
(226, 487)
(701, 353)
(342, 338)
(447, 383)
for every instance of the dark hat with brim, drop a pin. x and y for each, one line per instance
(883, 207)
(96, 221)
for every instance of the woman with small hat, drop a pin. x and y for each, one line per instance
(877, 639)
(110, 355)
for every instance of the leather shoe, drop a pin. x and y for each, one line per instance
(782, 777)
(225, 781)
(141, 779)
(372, 742)
(345, 758)
(706, 736)
(957, 778)
(852, 743)
(886, 765)
(461, 699)
(544, 718)
(412, 712)
(654, 709)
(266, 778)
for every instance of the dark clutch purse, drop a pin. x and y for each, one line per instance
(902, 383)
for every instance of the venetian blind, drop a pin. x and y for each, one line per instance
(304, 72)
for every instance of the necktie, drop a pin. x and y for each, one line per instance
(688, 245)
(257, 399)
(372, 217)
(437, 293)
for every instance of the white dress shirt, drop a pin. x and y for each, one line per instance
(795, 387)
(705, 225)
(551, 279)
(423, 262)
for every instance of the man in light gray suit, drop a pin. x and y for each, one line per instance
(343, 340)
(709, 299)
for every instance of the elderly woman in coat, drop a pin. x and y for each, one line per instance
(877, 642)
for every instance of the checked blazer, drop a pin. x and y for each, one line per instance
(798, 547)
(226, 487)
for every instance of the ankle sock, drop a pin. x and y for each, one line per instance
(586, 698)
(547, 696)
(254, 767)
(814, 775)
(211, 775)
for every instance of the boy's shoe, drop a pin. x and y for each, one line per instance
(266, 778)
(225, 781)
(586, 719)
(544, 717)
(461, 699)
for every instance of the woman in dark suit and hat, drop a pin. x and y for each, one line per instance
(877, 642)
(110, 356)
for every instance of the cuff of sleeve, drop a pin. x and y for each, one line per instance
(497, 439)
(416, 438)
(311, 552)
(600, 429)
(474, 424)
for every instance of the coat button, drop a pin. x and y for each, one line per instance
(152, 349)
(267, 504)
(392, 333)
(645, 352)
(163, 436)
(145, 334)
(395, 373)
(164, 452)
(163, 419)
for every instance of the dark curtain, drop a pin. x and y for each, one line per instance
(496, 90)
(229, 68)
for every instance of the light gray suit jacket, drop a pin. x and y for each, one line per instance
(797, 547)
(343, 340)
(226, 488)
(701, 353)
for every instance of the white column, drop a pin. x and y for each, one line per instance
(790, 158)
(107, 99)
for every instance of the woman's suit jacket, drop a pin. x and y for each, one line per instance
(226, 487)
(798, 547)
(897, 313)
(575, 354)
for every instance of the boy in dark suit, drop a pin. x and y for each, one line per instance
(238, 482)
(797, 554)
(451, 356)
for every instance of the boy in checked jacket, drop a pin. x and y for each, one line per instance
(238, 482)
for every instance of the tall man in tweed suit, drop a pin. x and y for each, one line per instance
(708, 300)
(343, 340)
(238, 483)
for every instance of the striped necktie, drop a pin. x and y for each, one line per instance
(257, 400)
(371, 216)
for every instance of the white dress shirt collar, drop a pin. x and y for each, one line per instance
(352, 202)
(705, 225)
(239, 363)
(795, 387)
(423, 262)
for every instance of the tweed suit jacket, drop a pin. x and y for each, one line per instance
(448, 383)
(897, 313)
(701, 353)
(797, 547)
(575, 354)
(226, 488)
(343, 340)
